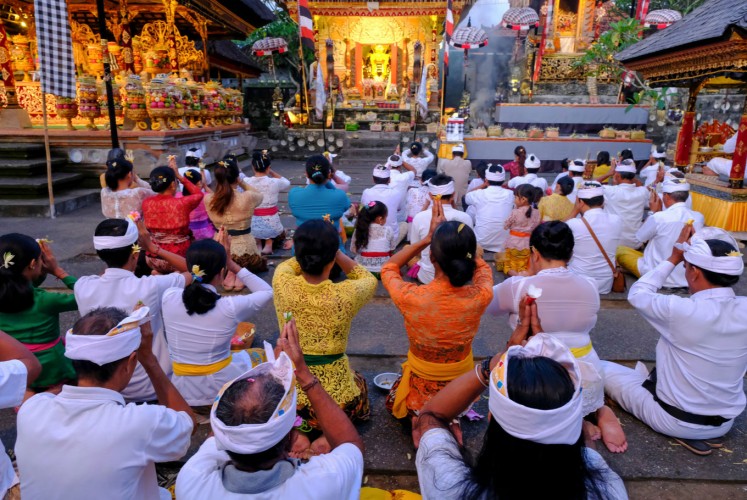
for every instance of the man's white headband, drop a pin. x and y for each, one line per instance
(112, 242)
(656, 154)
(558, 426)
(248, 439)
(444, 190)
(394, 161)
(674, 185)
(116, 344)
(626, 166)
(577, 166)
(459, 148)
(699, 254)
(381, 172)
(193, 154)
(532, 162)
(590, 189)
(498, 176)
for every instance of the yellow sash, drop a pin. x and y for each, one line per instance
(580, 352)
(437, 372)
(185, 370)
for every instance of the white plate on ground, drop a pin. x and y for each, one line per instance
(385, 381)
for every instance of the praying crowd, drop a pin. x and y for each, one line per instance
(160, 348)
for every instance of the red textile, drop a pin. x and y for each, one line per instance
(740, 152)
(167, 215)
(685, 140)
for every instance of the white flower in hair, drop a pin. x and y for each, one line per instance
(8, 260)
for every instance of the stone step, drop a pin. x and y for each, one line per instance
(14, 167)
(64, 202)
(10, 148)
(35, 185)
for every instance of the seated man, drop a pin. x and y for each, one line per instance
(492, 205)
(722, 166)
(252, 422)
(626, 200)
(532, 165)
(661, 230)
(564, 164)
(394, 197)
(86, 442)
(696, 390)
(588, 259)
(458, 169)
(576, 171)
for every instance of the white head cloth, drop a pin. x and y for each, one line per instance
(699, 254)
(194, 154)
(444, 190)
(661, 155)
(112, 242)
(381, 172)
(626, 166)
(590, 189)
(674, 185)
(116, 344)
(394, 161)
(498, 176)
(532, 162)
(459, 148)
(559, 426)
(248, 439)
(577, 165)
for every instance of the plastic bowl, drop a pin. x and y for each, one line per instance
(385, 381)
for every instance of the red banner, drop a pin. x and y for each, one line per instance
(685, 140)
(736, 176)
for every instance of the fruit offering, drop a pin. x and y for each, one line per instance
(94, 53)
(88, 97)
(135, 108)
(157, 61)
(104, 104)
(67, 108)
(158, 99)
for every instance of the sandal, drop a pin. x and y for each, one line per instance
(715, 443)
(696, 446)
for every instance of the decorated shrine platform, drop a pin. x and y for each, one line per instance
(572, 118)
(721, 205)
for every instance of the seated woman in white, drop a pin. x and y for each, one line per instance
(722, 166)
(200, 323)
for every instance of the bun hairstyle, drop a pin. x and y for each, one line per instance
(161, 178)
(193, 176)
(527, 191)
(366, 215)
(566, 185)
(521, 152)
(416, 148)
(208, 257)
(317, 169)
(117, 169)
(226, 174)
(553, 240)
(454, 247)
(316, 243)
(261, 161)
(16, 253)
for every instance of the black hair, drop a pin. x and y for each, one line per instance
(626, 154)
(16, 291)
(115, 153)
(565, 163)
(538, 194)
(113, 257)
(679, 196)
(261, 161)
(481, 168)
(192, 161)
(316, 243)
(553, 240)
(253, 401)
(116, 170)
(98, 322)
(596, 201)
(366, 215)
(526, 191)
(496, 169)
(317, 168)
(428, 174)
(603, 158)
(211, 258)
(442, 180)
(627, 176)
(226, 174)
(520, 151)
(416, 148)
(194, 176)
(379, 180)
(454, 247)
(161, 178)
(500, 469)
(566, 185)
(719, 248)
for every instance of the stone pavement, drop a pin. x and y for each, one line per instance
(653, 465)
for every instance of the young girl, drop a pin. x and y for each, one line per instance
(30, 314)
(266, 225)
(522, 221)
(372, 241)
(199, 222)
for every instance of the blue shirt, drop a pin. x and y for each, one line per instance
(315, 201)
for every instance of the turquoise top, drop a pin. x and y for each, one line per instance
(315, 201)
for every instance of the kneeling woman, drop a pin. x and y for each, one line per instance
(199, 323)
(442, 317)
(323, 311)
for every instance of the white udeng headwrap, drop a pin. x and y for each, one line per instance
(444, 190)
(559, 426)
(381, 172)
(248, 439)
(499, 176)
(116, 344)
(590, 189)
(532, 162)
(626, 166)
(112, 242)
(674, 185)
(699, 254)
(394, 161)
(577, 166)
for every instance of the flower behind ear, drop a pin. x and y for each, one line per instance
(8, 260)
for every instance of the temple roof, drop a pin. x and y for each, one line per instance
(711, 22)
(226, 55)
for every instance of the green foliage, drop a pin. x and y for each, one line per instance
(682, 6)
(600, 59)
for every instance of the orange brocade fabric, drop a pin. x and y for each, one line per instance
(728, 215)
(441, 322)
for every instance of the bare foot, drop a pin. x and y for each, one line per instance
(456, 428)
(229, 281)
(267, 250)
(300, 445)
(320, 446)
(591, 433)
(613, 435)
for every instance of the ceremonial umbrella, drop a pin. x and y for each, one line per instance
(267, 47)
(519, 19)
(662, 18)
(468, 38)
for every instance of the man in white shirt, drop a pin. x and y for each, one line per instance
(587, 259)
(576, 171)
(441, 189)
(192, 160)
(564, 164)
(418, 157)
(661, 229)
(626, 200)
(115, 243)
(492, 205)
(532, 165)
(696, 390)
(86, 442)
(458, 169)
(722, 166)
(399, 179)
(651, 169)
(394, 197)
(18, 369)
(252, 422)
